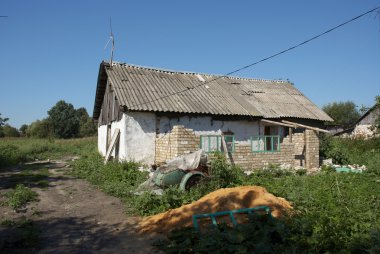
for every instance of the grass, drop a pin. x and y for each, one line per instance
(19, 196)
(18, 150)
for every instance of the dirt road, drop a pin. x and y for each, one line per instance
(72, 216)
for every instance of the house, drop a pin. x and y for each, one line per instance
(365, 126)
(151, 115)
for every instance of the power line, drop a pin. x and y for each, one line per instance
(266, 58)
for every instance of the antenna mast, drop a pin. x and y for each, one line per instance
(112, 38)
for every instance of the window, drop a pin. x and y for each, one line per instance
(265, 143)
(213, 143)
(230, 143)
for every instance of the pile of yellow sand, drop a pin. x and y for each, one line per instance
(217, 201)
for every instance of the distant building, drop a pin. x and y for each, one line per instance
(364, 127)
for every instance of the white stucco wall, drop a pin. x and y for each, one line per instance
(102, 139)
(137, 137)
(121, 126)
(140, 137)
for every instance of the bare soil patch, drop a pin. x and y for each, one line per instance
(71, 215)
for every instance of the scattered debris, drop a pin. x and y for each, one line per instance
(185, 170)
(286, 166)
(327, 162)
(217, 201)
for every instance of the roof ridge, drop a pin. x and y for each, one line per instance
(195, 73)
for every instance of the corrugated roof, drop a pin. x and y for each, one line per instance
(150, 89)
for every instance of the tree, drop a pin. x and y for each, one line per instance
(23, 129)
(343, 113)
(86, 125)
(10, 131)
(88, 128)
(63, 120)
(3, 120)
(39, 129)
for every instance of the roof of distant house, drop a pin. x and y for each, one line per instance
(366, 113)
(151, 89)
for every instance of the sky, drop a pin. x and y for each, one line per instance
(51, 50)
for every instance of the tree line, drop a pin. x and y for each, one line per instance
(63, 121)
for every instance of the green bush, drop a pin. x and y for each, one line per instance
(10, 155)
(352, 151)
(224, 175)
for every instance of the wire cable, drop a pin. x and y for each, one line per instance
(264, 59)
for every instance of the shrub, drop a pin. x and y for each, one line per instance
(224, 175)
(352, 151)
(10, 155)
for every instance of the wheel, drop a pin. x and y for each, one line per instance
(193, 181)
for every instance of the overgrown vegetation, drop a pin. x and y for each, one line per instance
(16, 150)
(122, 179)
(19, 196)
(352, 151)
(334, 212)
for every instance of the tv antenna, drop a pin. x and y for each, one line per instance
(111, 39)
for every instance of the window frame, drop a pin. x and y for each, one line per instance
(218, 143)
(263, 138)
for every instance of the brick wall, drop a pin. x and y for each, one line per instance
(303, 151)
(312, 149)
(247, 159)
(178, 142)
(298, 139)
